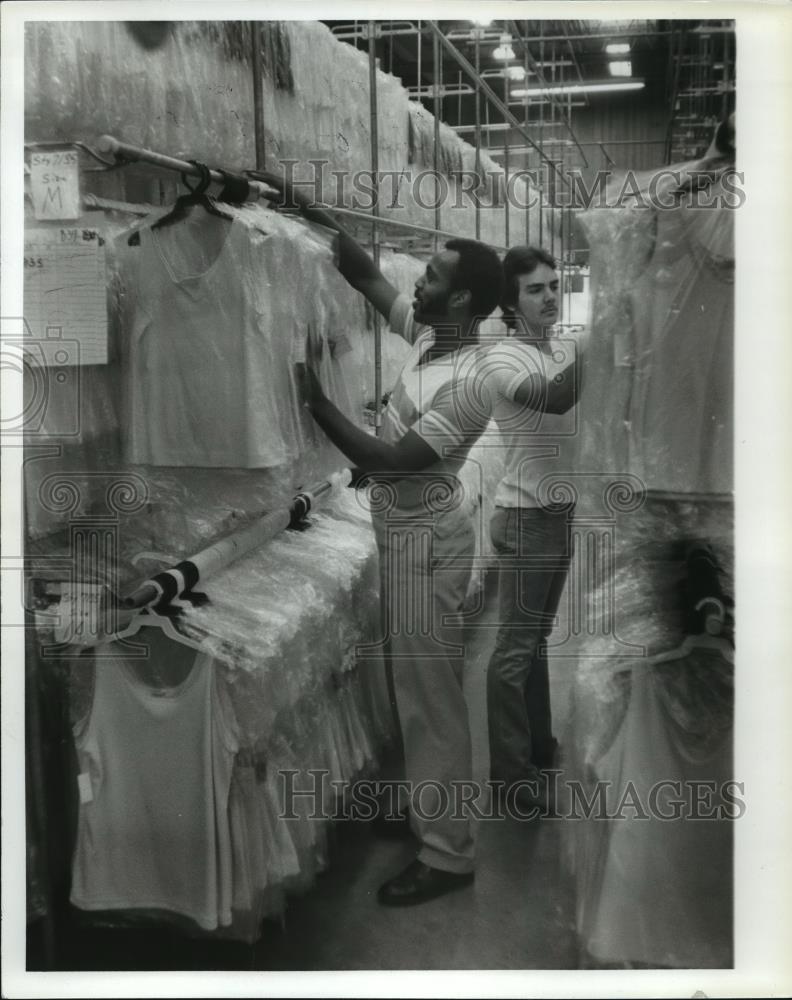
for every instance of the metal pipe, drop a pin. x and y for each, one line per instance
(541, 133)
(384, 220)
(506, 171)
(485, 87)
(420, 46)
(551, 183)
(375, 211)
(436, 108)
(567, 247)
(527, 107)
(535, 67)
(674, 92)
(576, 65)
(125, 153)
(609, 35)
(258, 97)
(477, 206)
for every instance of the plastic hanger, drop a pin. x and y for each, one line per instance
(693, 642)
(197, 196)
(709, 639)
(147, 618)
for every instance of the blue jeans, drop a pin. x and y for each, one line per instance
(534, 550)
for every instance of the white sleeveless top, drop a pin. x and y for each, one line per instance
(153, 829)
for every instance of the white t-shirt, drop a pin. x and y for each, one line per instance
(435, 400)
(537, 445)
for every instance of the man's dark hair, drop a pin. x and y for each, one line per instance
(520, 260)
(479, 271)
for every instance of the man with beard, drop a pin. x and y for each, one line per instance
(425, 540)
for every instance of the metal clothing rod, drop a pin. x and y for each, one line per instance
(436, 75)
(185, 575)
(383, 220)
(375, 234)
(124, 153)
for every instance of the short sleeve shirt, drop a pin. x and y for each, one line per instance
(437, 400)
(537, 445)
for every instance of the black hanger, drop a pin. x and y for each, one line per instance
(197, 196)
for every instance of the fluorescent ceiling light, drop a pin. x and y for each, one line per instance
(510, 72)
(580, 88)
(617, 48)
(620, 68)
(504, 51)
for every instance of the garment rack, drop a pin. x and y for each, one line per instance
(123, 153)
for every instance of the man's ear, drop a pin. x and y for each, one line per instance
(461, 298)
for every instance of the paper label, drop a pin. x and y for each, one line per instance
(55, 184)
(65, 297)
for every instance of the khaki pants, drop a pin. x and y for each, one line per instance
(424, 570)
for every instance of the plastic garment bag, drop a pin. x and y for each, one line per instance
(658, 396)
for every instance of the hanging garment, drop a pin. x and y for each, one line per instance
(654, 880)
(156, 763)
(681, 412)
(217, 317)
(658, 400)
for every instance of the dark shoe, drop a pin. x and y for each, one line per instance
(392, 827)
(419, 883)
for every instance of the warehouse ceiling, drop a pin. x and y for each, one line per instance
(685, 66)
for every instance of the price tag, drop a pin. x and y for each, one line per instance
(55, 184)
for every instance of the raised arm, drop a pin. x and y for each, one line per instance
(368, 453)
(551, 397)
(353, 261)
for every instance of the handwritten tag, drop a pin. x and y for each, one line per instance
(55, 184)
(65, 294)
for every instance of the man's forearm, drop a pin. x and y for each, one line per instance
(367, 452)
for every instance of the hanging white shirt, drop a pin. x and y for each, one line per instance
(153, 828)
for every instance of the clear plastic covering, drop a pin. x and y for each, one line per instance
(654, 454)
(648, 890)
(186, 87)
(658, 400)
